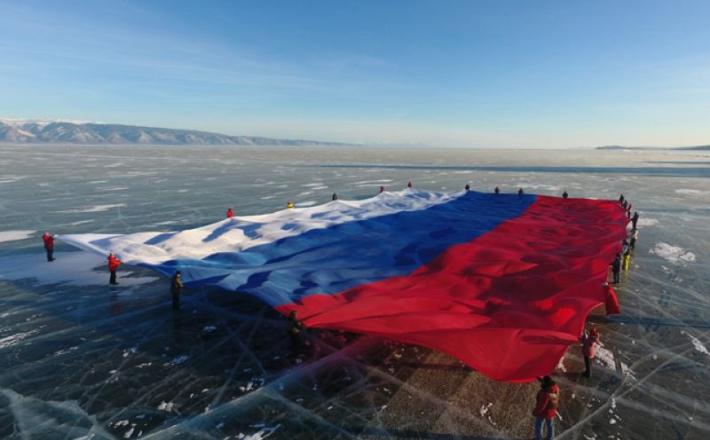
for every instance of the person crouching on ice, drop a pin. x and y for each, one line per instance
(548, 400)
(113, 263)
(48, 240)
(590, 342)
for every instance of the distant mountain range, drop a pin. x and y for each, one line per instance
(621, 147)
(89, 133)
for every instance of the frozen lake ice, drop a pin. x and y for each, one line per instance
(81, 360)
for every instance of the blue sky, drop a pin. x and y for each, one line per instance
(449, 73)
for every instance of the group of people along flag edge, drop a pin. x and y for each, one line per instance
(589, 339)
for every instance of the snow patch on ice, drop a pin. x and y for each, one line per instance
(177, 361)
(167, 406)
(114, 188)
(12, 179)
(690, 192)
(11, 340)
(606, 358)
(20, 234)
(264, 432)
(674, 254)
(95, 208)
(697, 344)
(81, 222)
(372, 182)
(643, 222)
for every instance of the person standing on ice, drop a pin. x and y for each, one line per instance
(335, 197)
(294, 330)
(590, 342)
(409, 184)
(230, 213)
(634, 220)
(548, 400)
(626, 259)
(624, 247)
(621, 198)
(113, 263)
(176, 289)
(48, 240)
(382, 189)
(616, 268)
(633, 238)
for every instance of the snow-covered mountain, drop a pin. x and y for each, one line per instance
(90, 133)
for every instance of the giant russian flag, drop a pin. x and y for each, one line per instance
(503, 282)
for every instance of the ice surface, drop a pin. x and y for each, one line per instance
(72, 268)
(81, 360)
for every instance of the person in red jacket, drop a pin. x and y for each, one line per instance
(113, 263)
(49, 245)
(590, 342)
(548, 400)
(230, 213)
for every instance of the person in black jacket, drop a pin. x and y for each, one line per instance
(176, 289)
(616, 268)
(295, 329)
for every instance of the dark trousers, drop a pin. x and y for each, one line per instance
(616, 276)
(112, 279)
(588, 367)
(50, 254)
(176, 299)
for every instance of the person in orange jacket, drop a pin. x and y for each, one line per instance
(590, 342)
(230, 213)
(548, 400)
(113, 263)
(48, 240)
